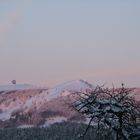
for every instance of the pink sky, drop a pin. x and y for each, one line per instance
(49, 42)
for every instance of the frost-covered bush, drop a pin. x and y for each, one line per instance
(111, 109)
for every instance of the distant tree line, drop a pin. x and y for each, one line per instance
(62, 131)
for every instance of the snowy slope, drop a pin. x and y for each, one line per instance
(38, 100)
(76, 86)
(58, 91)
(72, 86)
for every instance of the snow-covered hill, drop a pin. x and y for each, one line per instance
(15, 87)
(69, 87)
(27, 105)
(78, 85)
(25, 101)
(58, 91)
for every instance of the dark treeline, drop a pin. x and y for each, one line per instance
(63, 131)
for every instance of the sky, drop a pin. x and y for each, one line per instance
(48, 42)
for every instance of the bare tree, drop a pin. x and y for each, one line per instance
(112, 109)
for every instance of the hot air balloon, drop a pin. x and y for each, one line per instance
(13, 82)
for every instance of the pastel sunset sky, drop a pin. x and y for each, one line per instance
(47, 42)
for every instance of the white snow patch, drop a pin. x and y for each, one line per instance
(25, 126)
(8, 110)
(53, 120)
